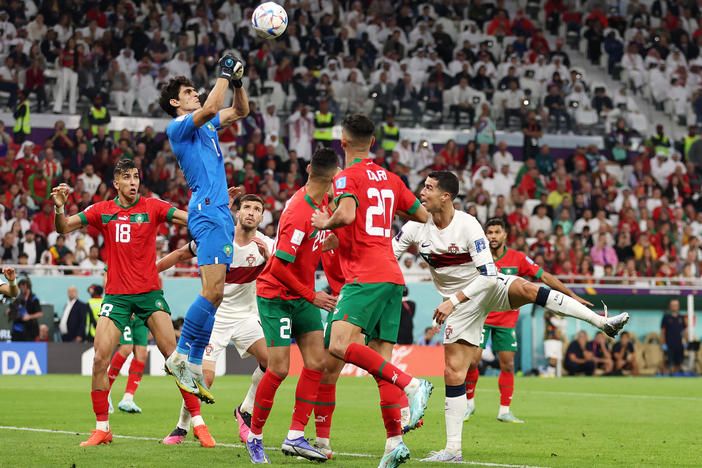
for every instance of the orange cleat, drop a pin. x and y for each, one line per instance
(97, 438)
(202, 433)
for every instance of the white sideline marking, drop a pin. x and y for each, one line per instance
(615, 395)
(358, 455)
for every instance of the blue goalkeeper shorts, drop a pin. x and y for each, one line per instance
(212, 228)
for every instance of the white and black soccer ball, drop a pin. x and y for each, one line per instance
(269, 20)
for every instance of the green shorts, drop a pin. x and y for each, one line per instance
(136, 333)
(283, 319)
(121, 307)
(503, 338)
(375, 307)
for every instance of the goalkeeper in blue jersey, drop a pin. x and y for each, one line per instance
(193, 137)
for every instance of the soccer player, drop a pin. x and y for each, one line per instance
(237, 316)
(455, 247)
(368, 197)
(193, 137)
(289, 307)
(133, 339)
(500, 325)
(128, 224)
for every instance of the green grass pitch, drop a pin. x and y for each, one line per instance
(569, 422)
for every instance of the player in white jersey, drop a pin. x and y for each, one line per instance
(237, 316)
(454, 245)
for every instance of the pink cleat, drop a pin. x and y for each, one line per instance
(244, 420)
(175, 437)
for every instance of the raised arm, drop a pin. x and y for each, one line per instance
(10, 288)
(229, 69)
(239, 109)
(63, 225)
(184, 253)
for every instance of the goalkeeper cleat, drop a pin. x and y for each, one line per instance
(395, 457)
(98, 437)
(469, 412)
(418, 401)
(183, 376)
(128, 406)
(202, 433)
(244, 420)
(509, 418)
(613, 325)
(204, 392)
(301, 447)
(323, 448)
(256, 451)
(109, 401)
(443, 456)
(176, 437)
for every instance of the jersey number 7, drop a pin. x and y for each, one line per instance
(385, 207)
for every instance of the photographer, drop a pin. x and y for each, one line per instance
(24, 311)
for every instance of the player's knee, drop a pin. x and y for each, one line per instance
(338, 348)
(507, 366)
(453, 375)
(279, 370)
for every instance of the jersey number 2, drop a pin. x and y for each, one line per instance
(123, 233)
(385, 207)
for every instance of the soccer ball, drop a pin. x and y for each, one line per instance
(269, 20)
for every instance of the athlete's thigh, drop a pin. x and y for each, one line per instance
(161, 327)
(458, 356)
(504, 339)
(140, 332)
(259, 350)
(363, 304)
(388, 326)
(219, 339)
(213, 276)
(466, 323)
(118, 309)
(306, 318)
(245, 333)
(311, 346)
(276, 320)
(213, 231)
(145, 304)
(106, 338)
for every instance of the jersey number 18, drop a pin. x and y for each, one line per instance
(123, 233)
(385, 207)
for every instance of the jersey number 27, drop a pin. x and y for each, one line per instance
(384, 206)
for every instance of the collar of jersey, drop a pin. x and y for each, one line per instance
(127, 207)
(505, 253)
(357, 160)
(310, 202)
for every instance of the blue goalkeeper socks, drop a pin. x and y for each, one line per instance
(197, 324)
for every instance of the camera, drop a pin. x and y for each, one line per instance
(574, 104)
(425, 144)
(374, 95)
(526, 102)
(529, 74)
(476, 99)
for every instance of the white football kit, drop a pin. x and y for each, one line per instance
(456, 255)
(237, 317)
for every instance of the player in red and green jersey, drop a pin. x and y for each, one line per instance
(368, 197)
(500, 326)
(128, 224)
(289, 307)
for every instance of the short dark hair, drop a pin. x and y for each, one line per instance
(496, 221)
(122, 166)
(324, 161)
(359, 127)
(447, 181)
(25, 282)
(170, 91)
(254, 198)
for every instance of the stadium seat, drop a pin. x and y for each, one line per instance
(649, 355)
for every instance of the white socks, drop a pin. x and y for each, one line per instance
(198, 421)
(292, 435)
(564, 305)
(102, 425)
(412, 386)
(454, 411)
(184, 421)
(253, 436)
(196, 369)
(392, 442)
(503, 410)
(247, 405)
(127, 397)
(177, 357)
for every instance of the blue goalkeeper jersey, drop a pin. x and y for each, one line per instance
(200, 158)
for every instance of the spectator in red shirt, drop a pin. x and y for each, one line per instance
(454, 157)
(500, 20)
(43, 221)
(518, 219)
(542, 247)
(34, 82)
(598, 15)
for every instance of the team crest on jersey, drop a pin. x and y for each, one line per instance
(449, 330)
(228, 250)
(139, 218)
(208, 349)
(453, 249)
(250, 259)
(159, 304)
(210, 126)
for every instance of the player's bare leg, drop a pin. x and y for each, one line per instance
(458, 357)
(161, 327)
(243, 412)
(136, 371)
(106, 339)
(522, 292)
(197, 328)
(345, 344)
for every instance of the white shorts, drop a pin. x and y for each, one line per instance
(553, 349)
(466, 322)
(243, 333)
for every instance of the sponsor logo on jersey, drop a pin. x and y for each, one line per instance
(480, 245)
(297, 237)
(425, 245)
(123, 218)
(452, 249)
(399, 234)
(341, 183)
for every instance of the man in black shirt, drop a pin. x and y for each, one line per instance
(556, 106)
(600, 353)
(532, 132)
(578, 358)
(624, 357)
(673, 327)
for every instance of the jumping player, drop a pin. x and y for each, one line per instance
(455, 247)
(129, 224)
(368, 197)
(500, 325)
(237, 316)
(193, 136)
(289, 307)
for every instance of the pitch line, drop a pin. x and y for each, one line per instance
(614, 395)
(357, 455)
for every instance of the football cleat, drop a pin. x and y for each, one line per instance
(98, 437)
(405, 421)
(256, 451)
(128, 406)
(323, 448)
(202, 433)
(443, 456)
(204, 392)
(244, 420)
(509, 418)
(109, 401)
(469, 412)
(613, 325)
(418, 401)
(395, 457)
(301, 447)
(176, 437)
(183, 376)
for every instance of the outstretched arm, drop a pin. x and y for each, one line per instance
(63, 225)
(182, 254)
(180, 218)
(229, 69)
(239, 109)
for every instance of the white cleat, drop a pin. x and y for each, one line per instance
(443, 456)
(613, 325)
